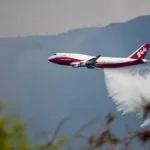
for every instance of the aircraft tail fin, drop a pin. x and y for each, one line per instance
(141, 52)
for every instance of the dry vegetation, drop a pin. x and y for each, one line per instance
(13, 136)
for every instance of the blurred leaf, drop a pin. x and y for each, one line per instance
(59, 126)
(110, 118)
(143, 135)
(62, 140)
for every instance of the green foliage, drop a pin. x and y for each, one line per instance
(62, 140)
(13, 132)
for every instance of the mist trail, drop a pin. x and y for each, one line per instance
(129, 88)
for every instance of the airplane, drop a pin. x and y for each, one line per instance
(91, 62)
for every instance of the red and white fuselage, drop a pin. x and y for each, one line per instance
(81, 60)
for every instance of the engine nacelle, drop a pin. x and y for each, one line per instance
(76, 65)
(83, 64)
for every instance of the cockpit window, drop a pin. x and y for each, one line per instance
(54, 54)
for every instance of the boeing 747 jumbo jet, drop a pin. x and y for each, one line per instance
(80, 60)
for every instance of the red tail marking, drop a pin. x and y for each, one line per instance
(141, 52)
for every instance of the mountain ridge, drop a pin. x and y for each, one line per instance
(86, 28)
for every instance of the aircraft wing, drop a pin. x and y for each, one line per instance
(91, 62)
(94, 59)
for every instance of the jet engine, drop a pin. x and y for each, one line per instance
(76, 64)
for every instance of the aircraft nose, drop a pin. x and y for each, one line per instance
(51, 58)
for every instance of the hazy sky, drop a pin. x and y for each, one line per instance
(28, 17)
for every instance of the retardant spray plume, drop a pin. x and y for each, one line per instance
(130, 90)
